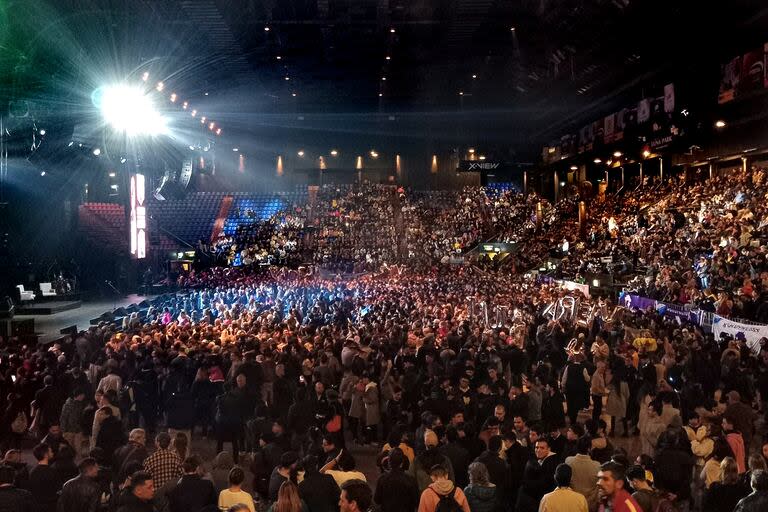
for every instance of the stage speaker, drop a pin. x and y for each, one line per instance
(119, 312)
(71, 330)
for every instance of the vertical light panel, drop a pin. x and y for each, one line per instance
(279, 165)
(138, 217)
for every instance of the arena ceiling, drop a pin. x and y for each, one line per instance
(518, 71)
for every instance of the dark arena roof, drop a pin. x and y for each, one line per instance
(513, 244)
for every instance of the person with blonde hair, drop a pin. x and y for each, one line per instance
(288, 499)
(725, 494)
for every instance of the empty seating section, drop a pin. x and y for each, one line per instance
(248, 208)
(190, 219)
(104, 223)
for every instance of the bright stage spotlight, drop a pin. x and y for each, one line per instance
(130, 110)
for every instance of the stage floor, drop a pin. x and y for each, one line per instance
(47, 308)
(48, 325)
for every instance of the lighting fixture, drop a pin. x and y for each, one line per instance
(173, 97)
(392, 31)
(266, 29)
(301, 152)
(474, 76)
(97, 151)
(598, 161)
(461, 93)
(145, 76)
(192, 148)
(720, 123)
(211, 126)
(481, 157)
(194, 113)
(646, 153)
(617, 154)
(293, 94)
(184, 105)
(388, 57)
(71, 143)
(42, 173)
(160, 86)
(279, 57)
(235, 149)
(129, 110)
(112, 174)
(574, 168)
(334, 152)
(374, 154)
(42, 132)
(202, 119)
(218, 131)
(511, 29)
(383, 78)
(381, 94)
(123, 160)
(205, 94)
(471, 150)
(113, 187)
(287, 78)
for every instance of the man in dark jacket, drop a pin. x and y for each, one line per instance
(538, 478)
(319, 491)
(396, 491)
(134, 451)
(44, 481)
(13, 499)
(758, 500)
(140, 494)
(83, 493)
(457, 454)
(192, 492)
(498, 469)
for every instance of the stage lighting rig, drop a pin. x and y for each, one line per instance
(130, 110)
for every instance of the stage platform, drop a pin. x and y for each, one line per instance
(47, 308)
(48, 326)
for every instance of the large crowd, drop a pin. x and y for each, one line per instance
(480, 390)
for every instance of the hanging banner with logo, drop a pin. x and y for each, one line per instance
(643, 110)
(752, 333)
(669, 98)
(479, 166)
(729, 81)
(752, 72)
(608, 127)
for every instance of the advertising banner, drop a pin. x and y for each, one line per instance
(752, 333)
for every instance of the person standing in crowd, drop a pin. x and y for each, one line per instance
(133, 451)
(497, 468)
(71, 419)
(83, 493)
(191, 492)
(757, 501)
(727, 492)
(442, 489)
(538, 478)
(563, 498)
(422, 464)
(44, 482)
(355, 496)
(575, 382)
(13, 499)
(164, 465)
(318, 491)
(396, 491)
(597, 389)
(610, 485)
(584, 473)
(234, 494)
(139, 495)
(482, 495)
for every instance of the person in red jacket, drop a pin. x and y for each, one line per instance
(610, 485)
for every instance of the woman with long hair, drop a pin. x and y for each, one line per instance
(288, 499)
(726, 493)
(181, 445)
(481, 493)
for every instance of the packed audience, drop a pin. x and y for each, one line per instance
(478, 390)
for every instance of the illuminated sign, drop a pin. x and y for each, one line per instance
(138, 217)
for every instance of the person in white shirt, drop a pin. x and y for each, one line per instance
(235, 495)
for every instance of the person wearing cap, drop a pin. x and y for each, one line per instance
(563, 498)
